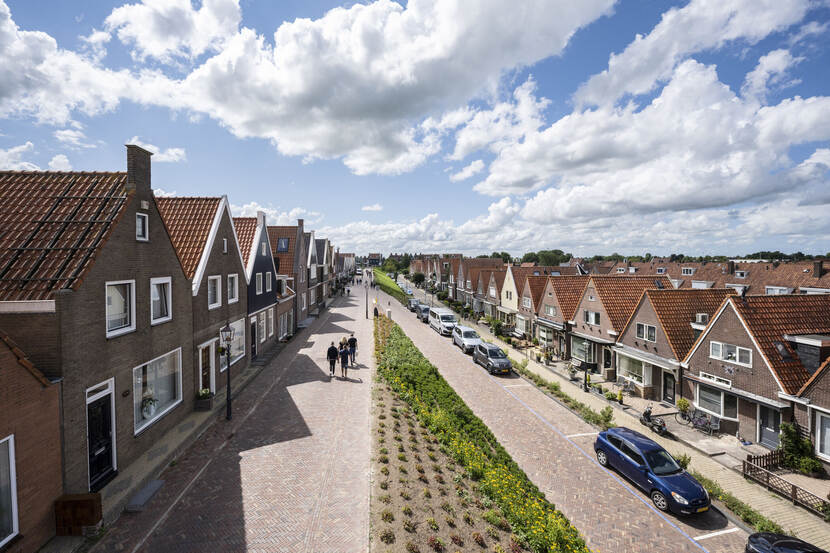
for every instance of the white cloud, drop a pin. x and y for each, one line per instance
(73, 138)
(276, 216)
(373, 207)
(60, 163)
(170, 155)
(162, 193)
(808, 30)
(700, 25)
(772, 70)
(472, 169)
(169, 29)
(12, 159)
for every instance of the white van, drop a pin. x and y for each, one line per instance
(442, 320)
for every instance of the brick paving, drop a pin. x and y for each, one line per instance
(289, 473)
(608, 510)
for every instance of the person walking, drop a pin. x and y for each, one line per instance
(376, 311)
(352, 347)
(331, 355)
(344, 361)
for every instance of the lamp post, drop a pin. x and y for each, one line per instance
(366, 290)
(227, 338)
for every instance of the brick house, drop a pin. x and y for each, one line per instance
(601, 315)
(290, 259)
(658, 335)
(555, 315)
(92, 289)
(510, 291)
(811, 409)
(261, 278)
(753, 359)
(203, 235)
(313, 271)
(492, 281)
(530, 298)
(30, 453)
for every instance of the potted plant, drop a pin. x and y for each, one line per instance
(683, 405)
(620, 396)
(148, 405)
(204, 400)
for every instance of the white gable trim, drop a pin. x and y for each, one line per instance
(253, 253)
(704, 334)
(755, 343)
(224, 206)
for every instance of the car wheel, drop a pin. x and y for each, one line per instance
(602, 458)
(659, 500)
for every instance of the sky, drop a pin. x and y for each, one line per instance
(468, 126)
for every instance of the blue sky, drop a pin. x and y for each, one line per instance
(452, 125)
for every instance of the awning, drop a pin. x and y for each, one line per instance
(592, 338)
(505, 310)
(551, 324)
(661, 362)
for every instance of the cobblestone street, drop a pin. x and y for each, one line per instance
(289, 473)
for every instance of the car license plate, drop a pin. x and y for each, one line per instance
(702, 509)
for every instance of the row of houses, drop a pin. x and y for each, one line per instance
(753, 360)
(113, 303)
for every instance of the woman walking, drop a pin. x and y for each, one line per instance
(344, 361)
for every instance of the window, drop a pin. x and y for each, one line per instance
(120, 307)
(237, 345)
(731, 353)
(141, 231)
(214, 292)
(261, 327)
(717, 379)
(526, 303)
(157, 388)
(262, 248)
(268, 281)
(661, 270)
(312, 296)
(582, 349)
(740, 274)
(777, 290)
(258, 283)
(632, 454)
(687, 271)
(550, 310)
(822, 441)
(8, 492)
(233, 288)
(282, 244)
(270, 322)
(224, 245)
(634, 369)
(739, 287)
(492, 291)
(591, 317)
(303, 303)
(620, 270)
(508, 295)
(160, 300)
(468, 285)
(545, 334)
(717, 402)
(646, 332)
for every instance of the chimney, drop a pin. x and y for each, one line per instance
(817, 269)
(260, 218)
(730, 267)
(138, 169)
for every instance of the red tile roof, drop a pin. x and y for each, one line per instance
(824, 368)
(769, 318)
(498, 276)
(52, 225)
(286, 259)
(188, 222)
(620, 295)
(568, 291)
(245, 233)
(535, 285)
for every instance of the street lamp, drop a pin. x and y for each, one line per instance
(227, 337)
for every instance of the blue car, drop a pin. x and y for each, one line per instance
(653, 469)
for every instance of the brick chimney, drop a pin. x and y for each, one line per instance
(260, 218)
(730, 267)
(817, 269)
(138, 169)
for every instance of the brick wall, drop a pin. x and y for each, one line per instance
(30, 411)
(37, 335)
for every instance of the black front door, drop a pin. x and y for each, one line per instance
(606, 358)
(668, 387)
(253, 339)
(770, 419)
(99, 438)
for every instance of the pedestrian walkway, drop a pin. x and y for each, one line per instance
(288, 473)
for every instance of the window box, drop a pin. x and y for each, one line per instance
(161, 300)
(157, 388)
(214, 292)
(120, 307)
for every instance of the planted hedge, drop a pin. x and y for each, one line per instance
(389, 286)
(415, 380)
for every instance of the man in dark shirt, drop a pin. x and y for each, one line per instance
(344, 361)
(331, 355)
(352, 347)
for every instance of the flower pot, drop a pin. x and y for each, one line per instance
(148, 409)
(205, 404)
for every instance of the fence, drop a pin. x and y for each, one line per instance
(773, 482)
(769, 461)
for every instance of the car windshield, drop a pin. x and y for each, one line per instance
(496, 353)
(471, 334)
(661, 462)
(447, 318)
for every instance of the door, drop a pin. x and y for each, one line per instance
(632, 465)
(668, 387)
(769, 420)
(100, 441)
(606, 357)
(207, 366)
(253, 339)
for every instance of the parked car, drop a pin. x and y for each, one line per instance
(652, 469)
(442, 320)
(492, 358)
(466, 338)
(413, 304)
(767, 542)
(422, 313)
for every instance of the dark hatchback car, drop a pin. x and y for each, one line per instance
(653, 469)
(767, 542)
(492, 358)
(422, 312)
(413, 304)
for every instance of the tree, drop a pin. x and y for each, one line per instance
(530, 257)
(418, 278)
(505, 256)
(552, 257)
(483, 256)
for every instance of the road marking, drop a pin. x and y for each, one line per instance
(518, 385)
(583, 434)
(718, 533)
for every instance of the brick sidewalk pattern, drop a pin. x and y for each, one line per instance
(290, 472)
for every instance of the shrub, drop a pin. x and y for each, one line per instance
(436, 543)
(387, 516)
(405, 495)
(387, 536)
(683, 405)
(493, 533)
(456, 539)
(683, 460)
(384, 471)
(798, 452)
(468, 518)
(385, 498)
(401, 457)
(610, 396)
(384, 485)
(407, 510)
(427, 493)
(432, 523)
(412, 548)
(409, 526)
(810, 465)
(383, 459)
(479, 539)
(450, 521)
(747, 513)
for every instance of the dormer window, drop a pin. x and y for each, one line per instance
(142, 233)
(632, 269)
(661, 270)
(282, 244)
(687, 271)
(740, 274)
(620, 270)
(702, 318)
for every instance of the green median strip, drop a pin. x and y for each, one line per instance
(389, 286)
(464, 436)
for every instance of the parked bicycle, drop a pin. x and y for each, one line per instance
(699, 421)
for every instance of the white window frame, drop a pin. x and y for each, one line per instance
(211, 344)
(233, 277)
(721, 357)
(13, 480)
(131, 326)
(260, 327)
(146, 219)
(620, 270)
(304, 304)
(268, 281)
(591, 317)
(661, 270)
(492, 291)
(687, 271)
(312, 295)
(105, 388)
(550, 310)
(777, 290)
(722, 402)
(526, 302)
(819, 436)
(169, 282)
(644, 335)
(740, 274)
(244, 341)
(218, 280)
(224, 245)
(159, 415)
(715, 379)
(258, 283)
(270, 322)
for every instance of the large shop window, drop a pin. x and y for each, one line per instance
(634, 369)
(822, 437)
(237, 345)
(582, 349)
(157, 388)
(8, 492)
(717, 402)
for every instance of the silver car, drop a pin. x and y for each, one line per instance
(465, 338)
(492, 358)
